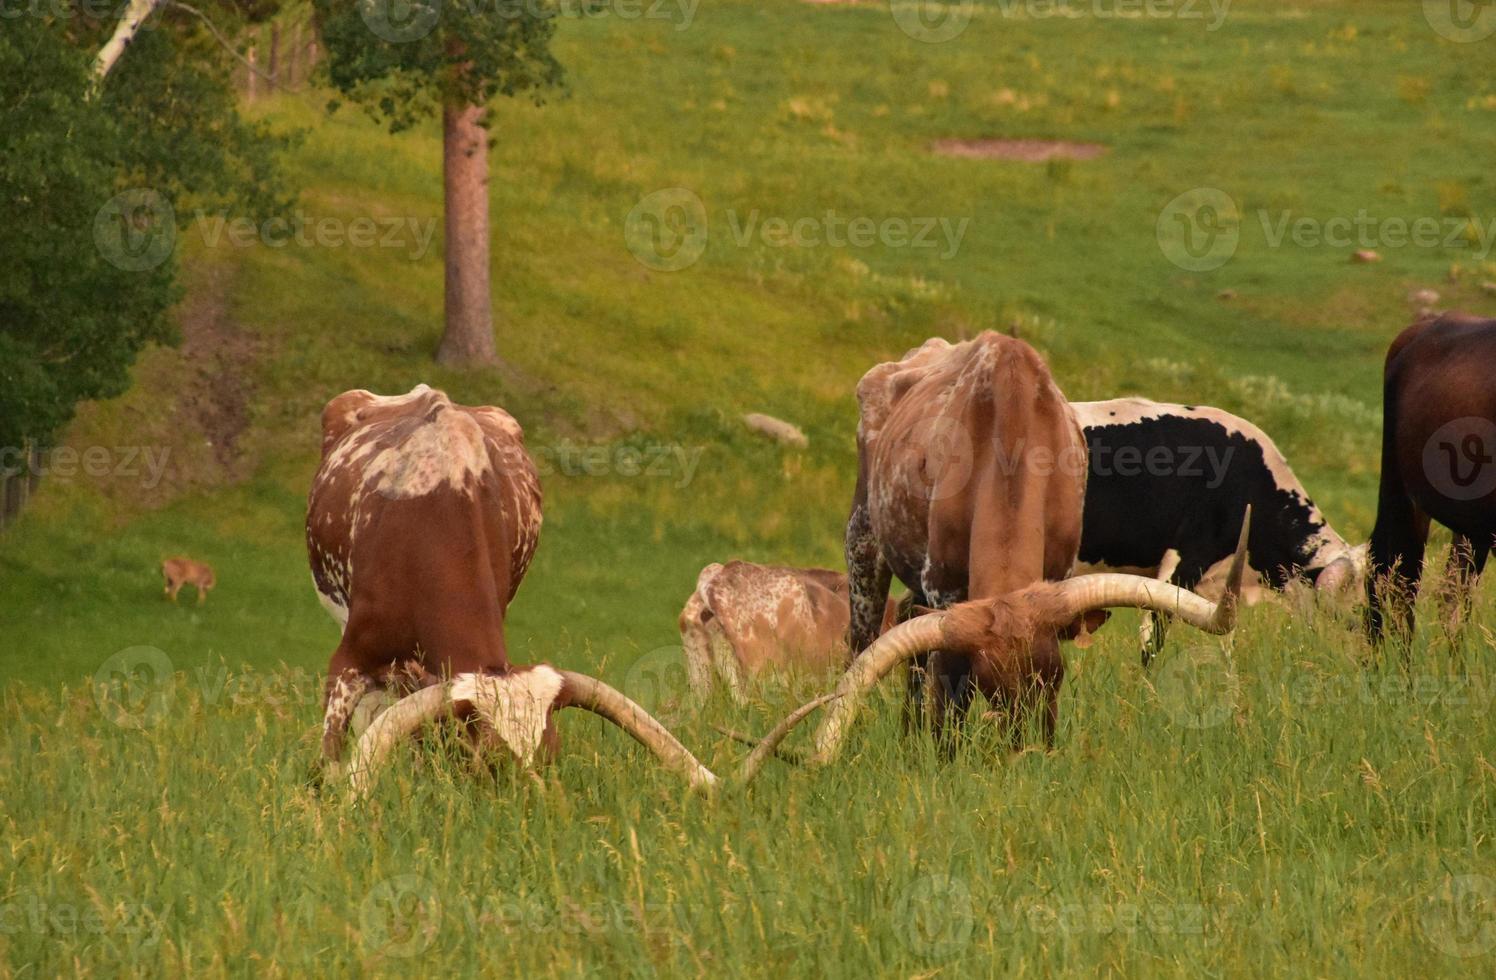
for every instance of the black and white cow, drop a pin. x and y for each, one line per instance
(1165, 492)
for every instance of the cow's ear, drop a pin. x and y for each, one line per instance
(1081, 629)
(341, 414)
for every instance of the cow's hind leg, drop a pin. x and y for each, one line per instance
(868, 579)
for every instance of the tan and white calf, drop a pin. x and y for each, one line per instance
(746, 620)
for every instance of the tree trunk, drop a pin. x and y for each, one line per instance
(273, 68)
(468, 339)
(130, 23)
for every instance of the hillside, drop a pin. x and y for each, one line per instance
(763, 113)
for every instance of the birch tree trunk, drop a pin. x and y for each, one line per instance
(468, 338)
(129, 25)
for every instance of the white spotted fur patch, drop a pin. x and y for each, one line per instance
(517, 705)
(447, 451)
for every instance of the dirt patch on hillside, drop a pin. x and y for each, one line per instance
(1024, 151)
(185, 423)
(219, 356)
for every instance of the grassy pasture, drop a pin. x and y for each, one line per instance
(1284, 800)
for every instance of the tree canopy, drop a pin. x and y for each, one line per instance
(96, 186)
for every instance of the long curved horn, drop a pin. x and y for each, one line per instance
(406, 716)
(582, 691)
(1086, 593)
(903, 642)
(399, 721)
(1069, 599)
(593, 695)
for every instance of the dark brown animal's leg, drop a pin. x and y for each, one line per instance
(1045, 682)
(1467, 559)
(1396, 561)
(951, 687)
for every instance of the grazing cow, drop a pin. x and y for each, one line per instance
(1438, 463)
(1167, 486)
(971, 479)
(184, 571)
(744, 620)
(421, 523)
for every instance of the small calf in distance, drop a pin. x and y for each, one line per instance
(184, 571)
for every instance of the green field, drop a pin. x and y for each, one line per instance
(1283, 800)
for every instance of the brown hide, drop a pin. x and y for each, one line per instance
(421, 523)
(1438, 463)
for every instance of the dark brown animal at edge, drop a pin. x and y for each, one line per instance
(1438, 464)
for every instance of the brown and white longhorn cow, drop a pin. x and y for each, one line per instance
(970, 484)
(745, 620)
(421, 523)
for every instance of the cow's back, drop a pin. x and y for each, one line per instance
(776, 616)
(975, 466)
(422, 521)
